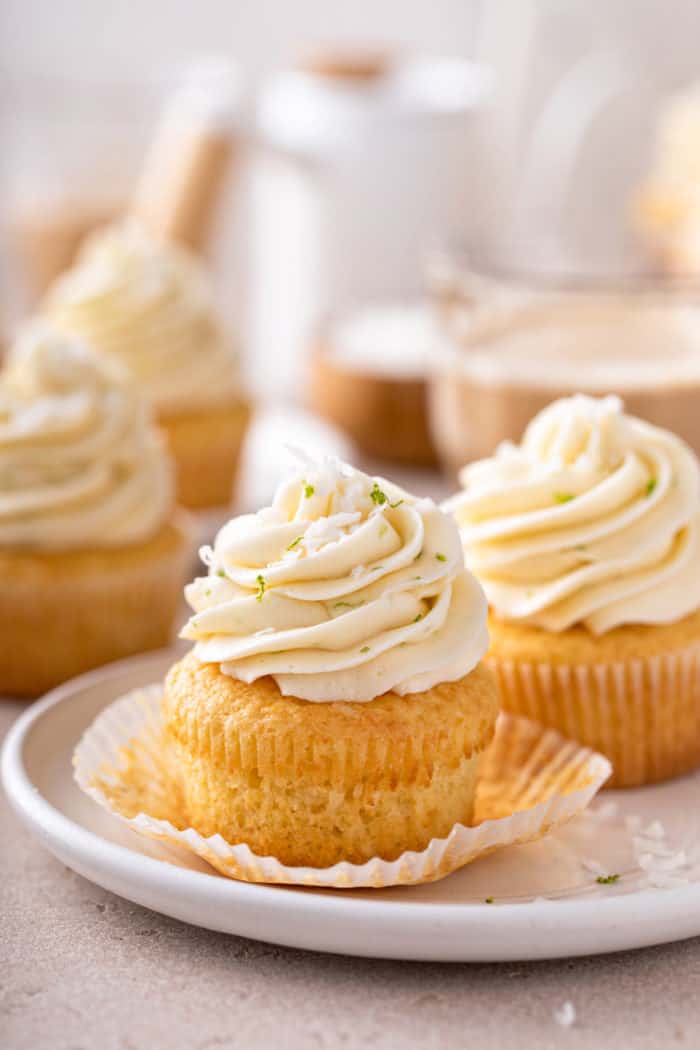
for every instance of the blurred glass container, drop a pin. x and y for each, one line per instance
(514, 339)
(70, 151)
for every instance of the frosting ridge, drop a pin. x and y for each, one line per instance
(80, 463)
(345, 588)
(148, 303)
(594, 519)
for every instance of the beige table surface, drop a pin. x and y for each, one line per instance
(82, 969)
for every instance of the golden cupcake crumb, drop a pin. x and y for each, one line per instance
(316, 783)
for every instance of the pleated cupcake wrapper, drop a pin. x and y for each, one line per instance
(644, 715)
(532, 780)
(88, 608)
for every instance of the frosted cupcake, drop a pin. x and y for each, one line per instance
(147, 303)
(586, 538)
(334, 706)
(666, 209)
(91, 556)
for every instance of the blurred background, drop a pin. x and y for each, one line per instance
(422, 219)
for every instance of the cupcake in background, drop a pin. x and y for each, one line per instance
(147, 303)
(666, 210)
(92, 555)
(334, 706)
(586, 538)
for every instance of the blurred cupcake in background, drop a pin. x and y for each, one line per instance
(92, 554)
(586, 538)
(666, 210)
(147, 302)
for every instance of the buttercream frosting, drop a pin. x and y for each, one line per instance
(148, 303)
(594, 518)
(344, 588)
(80, 463)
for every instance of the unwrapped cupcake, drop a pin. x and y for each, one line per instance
(92, 556)
(334, 706)
(586, 538)
(147, 302)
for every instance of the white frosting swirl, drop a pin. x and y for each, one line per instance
(80, 463)
(148, 303)
(345, 588)
(594, 518)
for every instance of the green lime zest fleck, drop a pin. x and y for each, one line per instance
(441, 557)
(564, 497)
(397, 504)
(377, 496)
(377, 568)
(293, 544)
(308, 490)
(364, 649)
(220, 572)
(580, 547)
(418, 617)
(347, 605)
(488, 900)
(207, 593)
(260, 580)
(607, 880)
(383, 530)
(651, 485)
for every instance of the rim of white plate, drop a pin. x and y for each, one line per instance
(152, 874)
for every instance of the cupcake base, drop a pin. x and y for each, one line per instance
(531, 781)
(206, 445)
(632, 694)
(316, 783)
(65, 613)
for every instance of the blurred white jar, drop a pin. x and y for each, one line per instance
(363, 166)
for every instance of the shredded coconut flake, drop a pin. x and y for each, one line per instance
(565, 1015)
(606, 811)
(655, 830)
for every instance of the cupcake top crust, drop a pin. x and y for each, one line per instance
(148, 303)
(81, 465)
(593, 519)
(344, 589)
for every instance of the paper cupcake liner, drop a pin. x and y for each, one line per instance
(87, 608)
(644, 715)
(206, 447)
(532, 780)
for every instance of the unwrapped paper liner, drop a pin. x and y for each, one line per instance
(531, 780)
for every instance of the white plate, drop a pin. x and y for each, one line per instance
(447, 920)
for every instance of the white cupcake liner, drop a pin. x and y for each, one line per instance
(532, 780)
(643, 714)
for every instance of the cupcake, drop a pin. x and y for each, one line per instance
(91, 555)
(586, 538)
(334, 706)
(666, 209)
(147, 303)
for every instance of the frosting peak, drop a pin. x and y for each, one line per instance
(594, 518)
(345, 588)
(80, 463)
(147, 302)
